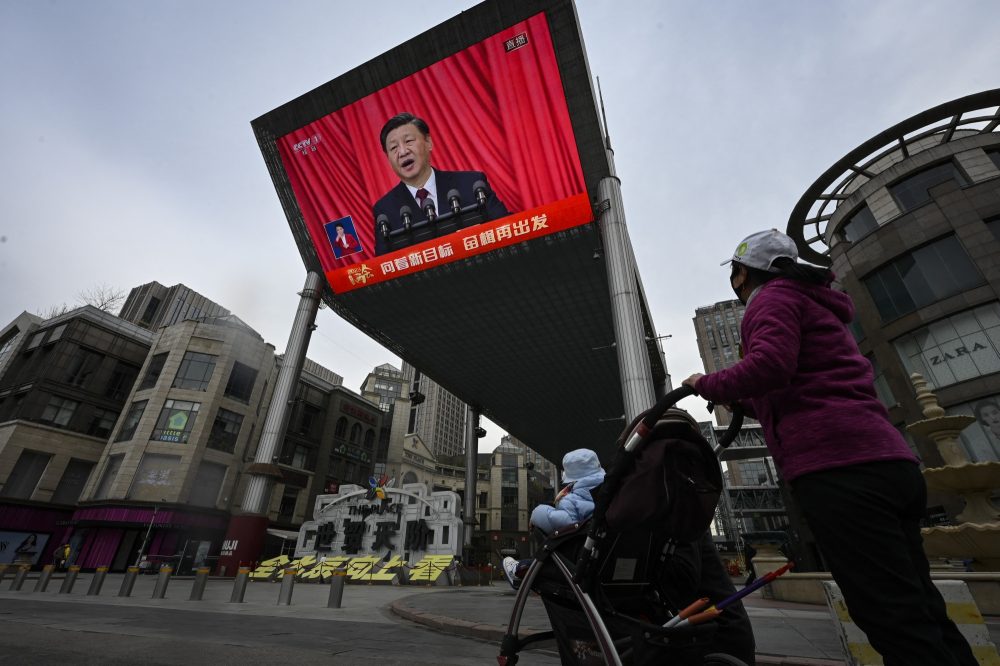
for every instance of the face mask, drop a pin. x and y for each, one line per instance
(737, 288)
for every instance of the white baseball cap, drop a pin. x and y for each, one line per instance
(759, 250)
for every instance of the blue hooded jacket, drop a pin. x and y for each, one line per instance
(583, 470)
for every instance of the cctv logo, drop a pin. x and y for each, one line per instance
(307, 146)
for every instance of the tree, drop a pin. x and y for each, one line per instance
(102, 296)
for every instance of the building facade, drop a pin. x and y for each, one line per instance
(65, 382)
(717, 330)
(910, 223)
(440, 419)
(132, 445)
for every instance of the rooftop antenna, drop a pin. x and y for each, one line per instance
(604, 116)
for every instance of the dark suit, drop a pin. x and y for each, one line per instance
(445, 181)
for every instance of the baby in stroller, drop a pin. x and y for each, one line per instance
(582, 472)
(611, 582)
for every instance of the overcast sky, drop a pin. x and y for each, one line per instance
(128, 155)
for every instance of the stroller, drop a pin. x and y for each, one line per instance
(610, 584)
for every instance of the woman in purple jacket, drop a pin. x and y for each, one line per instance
(858, 484)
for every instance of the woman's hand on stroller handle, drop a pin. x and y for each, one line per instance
(692, 381)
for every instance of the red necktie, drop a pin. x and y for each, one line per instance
(422, 195)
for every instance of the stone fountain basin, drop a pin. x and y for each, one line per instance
(979, 541)
(958, 478)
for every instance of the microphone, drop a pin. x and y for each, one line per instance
(382, 222)
(429, 210)
(479, 187)
(406, 215)
(455, 201)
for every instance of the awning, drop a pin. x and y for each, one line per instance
(283, 534)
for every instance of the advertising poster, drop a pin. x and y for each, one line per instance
(22, 547)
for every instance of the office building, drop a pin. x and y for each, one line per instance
(133, 444)
(440, 419)
(152, 305)
(717, 330)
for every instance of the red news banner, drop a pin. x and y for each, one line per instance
(526, 225)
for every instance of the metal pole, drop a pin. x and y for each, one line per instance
(69, 580)
(200, 580)
(145, 539)
(240, 585)
(471, 453)
(162, 581)
(128, 582)
(336, 589)
(630, 340)
(259, 485)
(44, 578)
(287, 583)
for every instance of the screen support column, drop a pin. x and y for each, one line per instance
(245, 535)
(633, 357)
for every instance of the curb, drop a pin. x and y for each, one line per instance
(494, 633)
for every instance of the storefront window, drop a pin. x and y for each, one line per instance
(176, 421)
(924, 276)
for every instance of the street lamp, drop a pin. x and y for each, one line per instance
(145, 539)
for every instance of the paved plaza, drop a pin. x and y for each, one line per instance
(389, 624)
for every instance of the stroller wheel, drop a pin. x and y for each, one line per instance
(719, 659)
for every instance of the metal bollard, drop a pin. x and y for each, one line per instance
(200, 579)
(240, 585)
(4, 568)
(19, 577)
(128, 582)
(162, 581)
(97, 581)
(44, 577)
(336, 589)
(287, 583)
(69, 580)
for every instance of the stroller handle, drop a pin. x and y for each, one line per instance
(635, 440)
(646, 425)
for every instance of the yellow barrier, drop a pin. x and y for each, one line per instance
(961, 609)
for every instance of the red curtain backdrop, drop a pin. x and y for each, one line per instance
(503, 113)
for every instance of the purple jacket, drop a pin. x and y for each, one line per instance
(806, 382)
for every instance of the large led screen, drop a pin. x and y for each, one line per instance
(492, 123)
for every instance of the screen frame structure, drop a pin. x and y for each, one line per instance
(524, 333)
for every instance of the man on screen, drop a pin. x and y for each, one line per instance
(406, 141)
